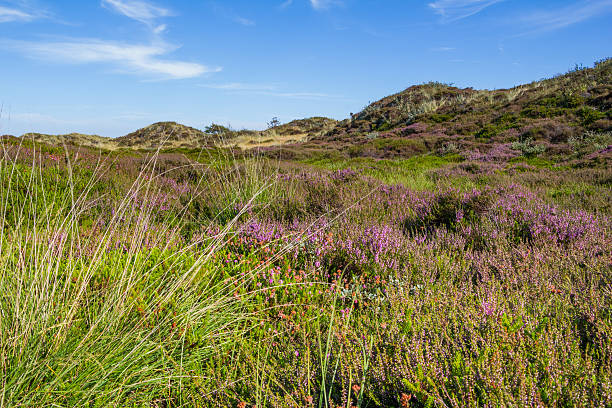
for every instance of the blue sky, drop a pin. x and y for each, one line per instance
(111, 66)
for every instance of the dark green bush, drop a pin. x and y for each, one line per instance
(539, 111)
(440, 118)
(384, 126)
(488, 131)
(445, 212)
(588, 115)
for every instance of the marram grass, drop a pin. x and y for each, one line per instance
(106, 319)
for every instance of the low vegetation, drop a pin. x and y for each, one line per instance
(422, 267)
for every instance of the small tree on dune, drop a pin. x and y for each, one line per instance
(273, 123)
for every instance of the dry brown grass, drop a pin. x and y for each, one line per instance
(264, 139)
(76, 139)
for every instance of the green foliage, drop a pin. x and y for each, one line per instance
(398, 144)
(587, 115)
(528, 148)
(500, 124)
(487, 131)
(533, 161)
(543, 111)
(449, 210)
(564, 100)
(440, 118)
(589, 142)
(216, 129)
(384, 126)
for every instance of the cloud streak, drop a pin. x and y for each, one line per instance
(21, 11)
(323, 4)
(8, 15)
(141, 11)
(244, 21)
(453, 10)
(267, 90)
(564, 17)
(229, 14)
(147, 59)
(443, 49)
(239, 86)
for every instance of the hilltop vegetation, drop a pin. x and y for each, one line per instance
(296, 131)
(75, 139)
(562, 118)
(172, 135)
(441, 248)
(166, 134)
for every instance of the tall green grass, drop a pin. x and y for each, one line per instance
(411, 172)
(121, 314)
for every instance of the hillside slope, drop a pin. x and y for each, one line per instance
(296, 131)
(165, 134)
(76, 139)
(563, 117)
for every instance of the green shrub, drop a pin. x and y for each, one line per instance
(487, 132)
(384, 126)
(589, 142)
(500, 124)
(539, 111)
(507, 120)
(588, 115)
(440, 118)
(528, 148)
(565, 100)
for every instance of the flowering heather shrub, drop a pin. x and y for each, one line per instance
(605, 152)
(413, 128)
(412, 293)
(498, 153)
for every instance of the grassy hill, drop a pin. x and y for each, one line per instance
(172, 135)
(76, 139)
(166, 134)
(296, 131)
(562, 118)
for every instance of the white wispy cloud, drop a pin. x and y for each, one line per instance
(146, 59)
(563, 17)
(323, 4)
(144, 12)
(229, 14)
(318, 5)
(21, 11)
(267, 90)
(453, 10)
(160, 29)
(244, 21)
(137, 10)
(303, 95)
(149, 59)
(443, 49)
(8, 15)
(239, 86)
